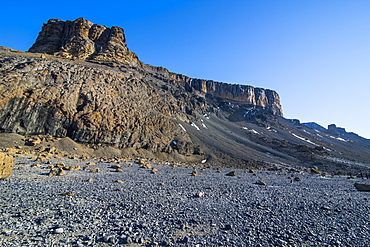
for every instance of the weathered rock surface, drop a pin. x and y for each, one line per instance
(95, 105)
(6, 165)
(109, 98)
(89, 87)
(81, 39)
(337, 132)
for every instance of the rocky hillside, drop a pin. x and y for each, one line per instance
(337, 132)
(79, 80)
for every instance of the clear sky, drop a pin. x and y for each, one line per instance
(314, 53)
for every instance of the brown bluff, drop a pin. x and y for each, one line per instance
(89, 86)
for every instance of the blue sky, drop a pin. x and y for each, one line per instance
(314, 53)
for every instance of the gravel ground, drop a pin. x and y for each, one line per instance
(173, 208)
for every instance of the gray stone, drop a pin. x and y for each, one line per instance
(58, 230)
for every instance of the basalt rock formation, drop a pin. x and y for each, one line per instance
(91, 104)
(89, 86)
(80, 80)
(81, 39)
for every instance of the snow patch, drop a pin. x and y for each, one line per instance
(307, 132)
(338, 138)
(174, 144)
(203, 161)
(204, 126)
(251, 130)
(182, 127)
(254, 131)
(304, 139)
(195, 126)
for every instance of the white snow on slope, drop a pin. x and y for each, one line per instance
(251, 130)
(304, 139)
(338, 138)
(182, 127)
(195, 126)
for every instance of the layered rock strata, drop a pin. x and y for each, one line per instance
(81, 39)
(94, 90)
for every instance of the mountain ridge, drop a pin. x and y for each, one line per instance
(81, 39)
(80, 80)
(338, 132)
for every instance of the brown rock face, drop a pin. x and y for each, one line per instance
(91, 104)
(81, 39)
(241, 94)
(6, 165)
(107, 97)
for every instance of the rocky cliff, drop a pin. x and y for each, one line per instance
(337, 132)
(90, 103)
(81, 39)
(89, 86)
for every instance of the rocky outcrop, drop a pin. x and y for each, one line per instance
(81, 39)
(217, 91)
(338, 132)
(342, 133)
(92, 104)
(6, 165)
(234, 93)
(101, 94)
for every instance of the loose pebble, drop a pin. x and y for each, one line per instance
(172, 208)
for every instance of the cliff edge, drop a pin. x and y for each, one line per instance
(80, 80)
(81, 39)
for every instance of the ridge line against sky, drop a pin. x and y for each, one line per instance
(314, 53)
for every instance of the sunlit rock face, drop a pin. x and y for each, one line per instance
(81, 39)
(89, 86)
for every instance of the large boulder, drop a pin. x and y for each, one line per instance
(6, 165)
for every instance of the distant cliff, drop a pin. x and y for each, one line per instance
(337, 132)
